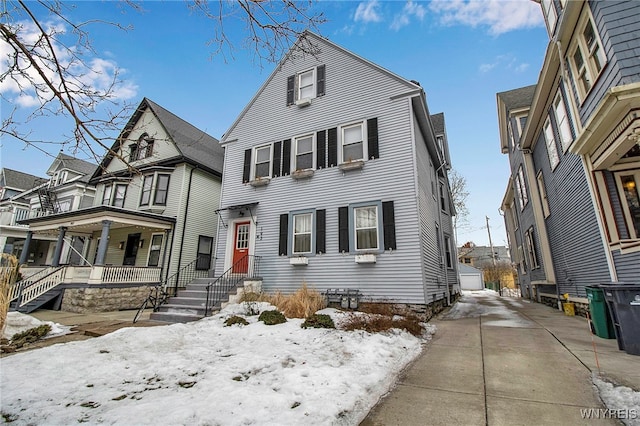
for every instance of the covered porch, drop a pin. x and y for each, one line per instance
(118, 251)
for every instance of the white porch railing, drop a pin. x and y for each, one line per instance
(14, 291)
(130, 274)
(40, 287)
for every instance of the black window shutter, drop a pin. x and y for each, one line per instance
(332, 146)
(372, 138)
(321, 235)
(277, 156)
(389, 225)
(286, 157)
(321, 149)
(247, 166)
(343, 229)
(320, 80)
(291, 82)
(284, 235)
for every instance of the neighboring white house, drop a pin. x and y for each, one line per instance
(470, 277)
(152, 219)
(336, 176)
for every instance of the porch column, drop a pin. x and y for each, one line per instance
(104, 242)
(24, 256)
(58, 251)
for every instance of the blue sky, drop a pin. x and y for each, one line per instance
(462, 52)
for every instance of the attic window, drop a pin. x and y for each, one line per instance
(142, 149)
(306, 85)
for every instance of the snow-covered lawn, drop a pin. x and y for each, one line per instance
(206, 373)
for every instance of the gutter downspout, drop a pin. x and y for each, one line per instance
(441, 238)
(184, 225)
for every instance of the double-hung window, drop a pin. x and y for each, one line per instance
(302, 233)
(543, 195)
(521, 189)
(142, 149)
(306, 85)
(352, 137)
(262, 165)
(531, 249)
(154, 250)
(302, 228)
(156, 184)
(443, 197)
(114, 194)
(550, 140)
(304, 152)
(628, 188)
(562, 121)
(587, 57)
(366, 226)
(448, 254)
(550, 15)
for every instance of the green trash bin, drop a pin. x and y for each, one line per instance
(600, 317)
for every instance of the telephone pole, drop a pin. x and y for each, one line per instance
(493, 255)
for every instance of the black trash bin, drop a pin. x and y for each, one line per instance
(624, 305)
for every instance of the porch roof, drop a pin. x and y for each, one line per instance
(89, 220)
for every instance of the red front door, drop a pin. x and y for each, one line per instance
(241, 248)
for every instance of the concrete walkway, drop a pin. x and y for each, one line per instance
(504, 361)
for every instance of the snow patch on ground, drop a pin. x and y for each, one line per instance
(492, 307)
(206, 373)
(17, 323)
(622, 399)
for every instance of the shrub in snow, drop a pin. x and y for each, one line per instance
(318, 321)
(235, 320)
(272, 317)
(29, 336)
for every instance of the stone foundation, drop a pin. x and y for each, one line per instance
(424, 312)
(581, 309)
(87, 300)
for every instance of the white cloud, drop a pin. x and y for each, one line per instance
(507, 62)
(403, 18)
(91, 75)
(499, 16)
(367, 12)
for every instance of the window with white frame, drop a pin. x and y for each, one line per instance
(145, 195)
(550, 14)
(586, 57)
(521, 119)
(262, 164)
(303, 152)
(162, 188)
(302, 228)
(142, 149)
(106, 195)
(550, 140)
(352, 137)
(306, 84)
(543, 195)
(119, 194)
(531, 248)
(627, 182)
(366, 227)
(521, 189)
(562, 121)
(512, 140)
(443, 197)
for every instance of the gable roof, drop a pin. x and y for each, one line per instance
(194, 145)
(320, 40)
(18, 180)
(64, 161)
(518, 98)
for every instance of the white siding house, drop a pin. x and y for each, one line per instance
(336, 176)
(152, 219)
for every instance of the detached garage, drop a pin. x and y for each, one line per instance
(470, 277)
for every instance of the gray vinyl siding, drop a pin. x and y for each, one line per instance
(627, 267)
(355, 90)
(576, 245)
(617, 24)
(428, 202)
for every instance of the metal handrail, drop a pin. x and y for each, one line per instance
(247, 266)
(184, 276)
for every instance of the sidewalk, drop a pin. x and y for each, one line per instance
(505, 362)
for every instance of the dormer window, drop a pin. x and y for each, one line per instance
(142, 149)
(306, 85)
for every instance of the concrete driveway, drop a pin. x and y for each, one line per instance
(506, 361)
